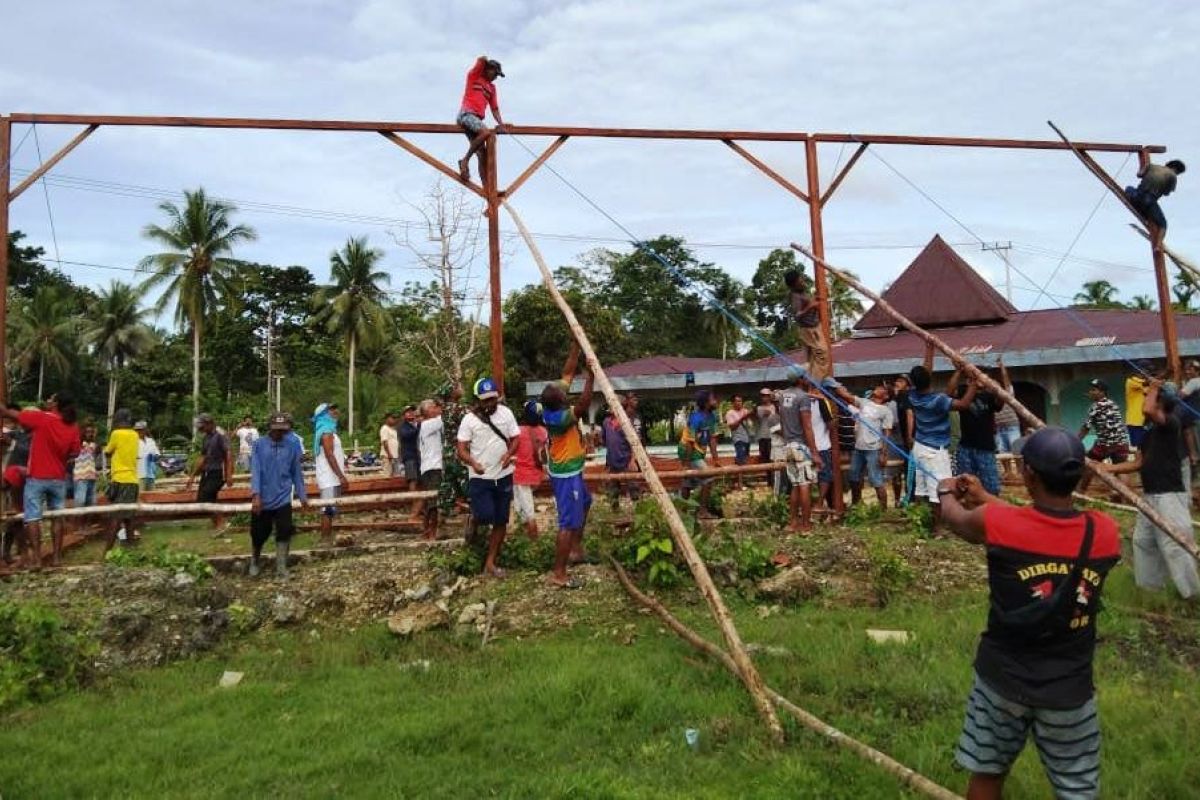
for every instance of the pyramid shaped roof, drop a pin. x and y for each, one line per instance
(938, 290)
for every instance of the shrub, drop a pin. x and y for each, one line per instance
(161, 557)
(890, 571)
(39, 656)
(919, 517)
(861, 515)
(772, 509)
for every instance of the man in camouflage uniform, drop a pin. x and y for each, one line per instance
(454, 475)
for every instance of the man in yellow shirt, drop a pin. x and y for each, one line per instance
(1135, 397)
(122, 450)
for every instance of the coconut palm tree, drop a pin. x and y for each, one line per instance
(731, 295)
(352, 306)
(117, 332)
(1142, 302)
(845, 306)
(1097, 294)
(46, 329)
(194, 270)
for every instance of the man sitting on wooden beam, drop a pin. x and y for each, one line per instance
(567, 459)
(1158, 181)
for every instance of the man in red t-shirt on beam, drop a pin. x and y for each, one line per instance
(1033, 669)
(55, 441)
(478, 96)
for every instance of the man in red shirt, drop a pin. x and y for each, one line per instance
(1033, 669)
(55, 441)
(478, 96)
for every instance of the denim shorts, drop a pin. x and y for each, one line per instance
(85, 492)
(981, 464)
(491, 501)
(41, 490)
(741, 453)
(825, 473)
(869, 460)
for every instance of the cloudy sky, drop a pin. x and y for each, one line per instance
(1103, 70)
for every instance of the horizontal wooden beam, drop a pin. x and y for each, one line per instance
(544, 130)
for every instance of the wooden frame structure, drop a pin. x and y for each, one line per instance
(493, 195)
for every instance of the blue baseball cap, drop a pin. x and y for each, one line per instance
(1054, 452)
(485, 389)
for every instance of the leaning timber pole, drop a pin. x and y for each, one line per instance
(745, 667)
(1183, 538)
(909, 777)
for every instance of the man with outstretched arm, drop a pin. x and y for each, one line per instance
(487, 443)
(1033, 668)
(479, 95)
(567, 459)
(275, 473)
(929, 420)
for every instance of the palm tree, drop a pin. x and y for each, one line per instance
(732, 296)
(1097, 294)
(845, 306)
(117, 332)
(194, 270)
(352, 306)
(1142, 302)
(46, 329)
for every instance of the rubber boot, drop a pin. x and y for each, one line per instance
(281, 558)
(254, 567)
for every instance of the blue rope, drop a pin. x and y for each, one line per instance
(681, 278)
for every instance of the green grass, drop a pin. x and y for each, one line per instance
(579, 713)
(194, 536)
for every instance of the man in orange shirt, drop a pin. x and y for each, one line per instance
(478, 96)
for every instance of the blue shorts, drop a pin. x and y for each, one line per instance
(741, 453)
(490, 500)
(85, 493)
(825, 473)
(573, 500)
(41, 490)
(981, 464)
(1137, 433)
(869, 460)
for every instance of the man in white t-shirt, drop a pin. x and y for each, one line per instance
(429, 441)
(246, 435)
(389, 447)
(147, 466)
(330, 460)
(874, 423)
(487, 444)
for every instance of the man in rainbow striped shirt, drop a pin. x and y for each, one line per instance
(567, 458)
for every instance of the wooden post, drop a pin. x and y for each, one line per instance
(5, 162)
(1182, 538)
(745, 667)
(914, 780)
(1166, 312)
(823, 308)
(495, 321)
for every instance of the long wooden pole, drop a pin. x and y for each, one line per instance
(1182, 538)
(495, 315)
(914, 780)
(744, 666)
(170, 509)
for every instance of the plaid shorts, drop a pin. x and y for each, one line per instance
(981, 464)
(1068, 740)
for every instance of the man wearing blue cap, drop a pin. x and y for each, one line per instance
(1033, 668)
(1159, 459)
(487, 444)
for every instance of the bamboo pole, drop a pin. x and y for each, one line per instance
(914, 780)
(1183, 539)
(169, 509)
(744, 666)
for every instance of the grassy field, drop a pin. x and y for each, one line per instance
(597, 709)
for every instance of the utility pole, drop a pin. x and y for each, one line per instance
(270, 357)
(1002, 249)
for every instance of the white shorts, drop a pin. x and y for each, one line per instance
(329, 493)
(800, 469)
(523, 503)
(932, 467)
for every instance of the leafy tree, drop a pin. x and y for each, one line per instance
(1097, 294)
(46, 329)
(117, 332)
(353, 306)
(194, 270)
(26, 272)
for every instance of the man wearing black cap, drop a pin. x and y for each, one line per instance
(1033, 668)
(275, 473)
(480, 93)
(1160, 462)
(1104, 419)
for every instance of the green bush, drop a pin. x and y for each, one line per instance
(650, 548)
(39, 656)
(772, 509)
(919, 517)
(161, 557)
(861, 514)
(749, 557)
(522, 553)
(890, 571)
